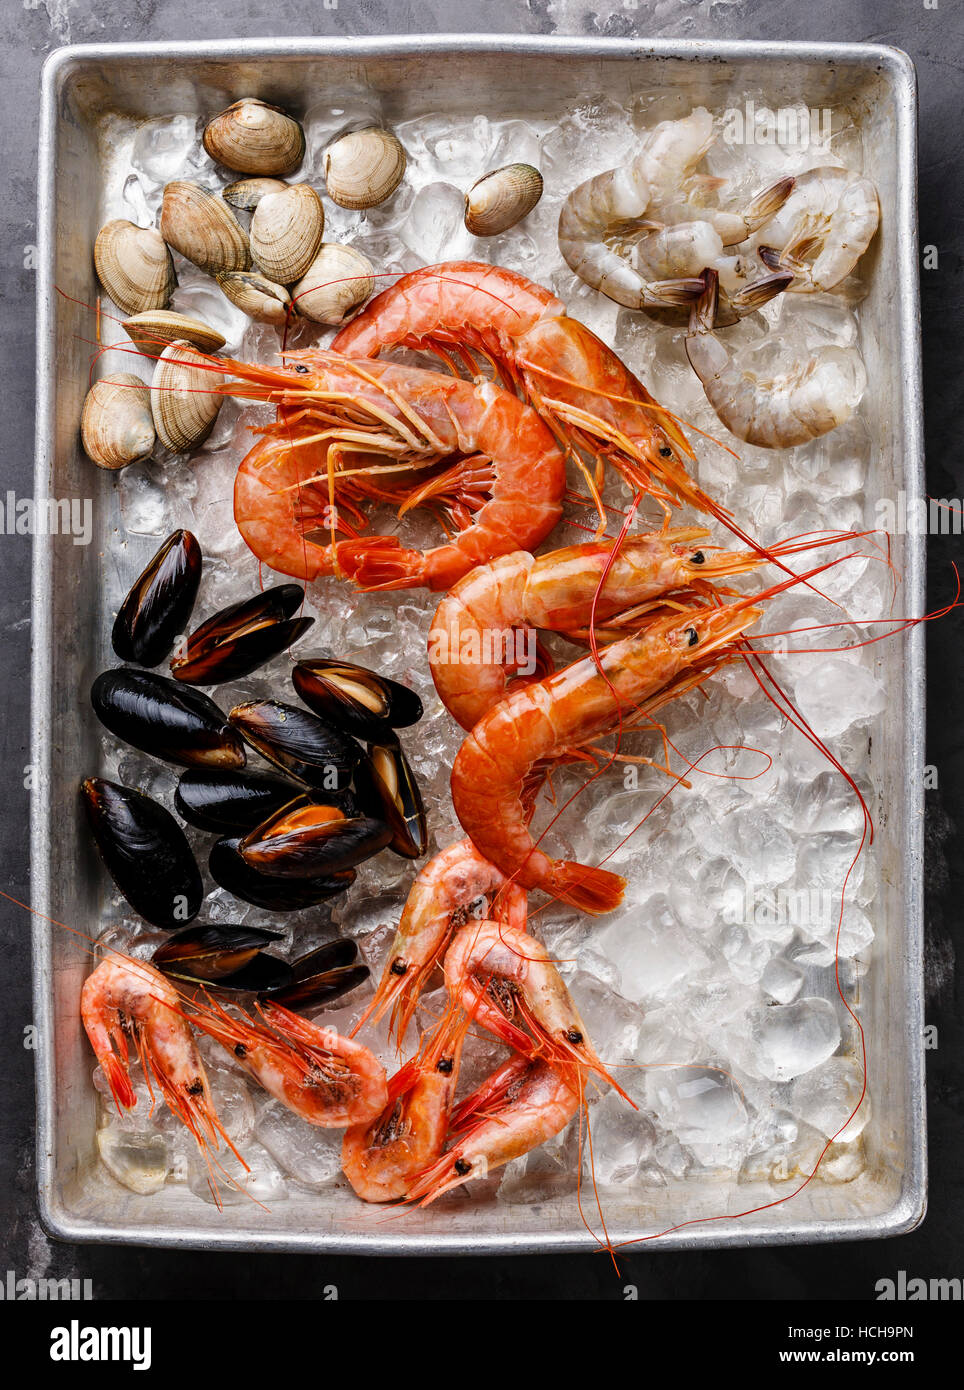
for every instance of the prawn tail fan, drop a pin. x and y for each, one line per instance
(380, 562)
(589, 889)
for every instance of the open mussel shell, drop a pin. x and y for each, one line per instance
(151, 332)
(116, 424)
(322, 976)
(257, 296)
(203, 228)
(227, 801)
(239, 639)
(229, 871)
(387, 788)
(183, 402)
(286, 232)
(252, 137)
(166, 719)
(134, 266)
(298, 742)
(223, 956)
(145, 851)
(160, 602)
(355, 699)
(306, 840)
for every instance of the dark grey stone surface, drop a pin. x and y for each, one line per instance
(932, 34)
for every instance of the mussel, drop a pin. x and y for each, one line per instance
(306, 840)
(298, 742)
(239, 639)
(165, 719)
(230, 871)
(145, 851)
(224, 801)
(158, 607)
(354, 698)
(224, 956)
(322, 976)
(387, 789)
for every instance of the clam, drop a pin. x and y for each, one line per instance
(298, 742)
(134, 266)
(230, 800)
(286, 232)
(500, 199)
(145, 851)
(165, 719)
(337, 282)
(116, 425)
(224, 956)
(322, 976)
(276, 894)
(252, 137)
(388, 790)
(355, 699)
(160, 602)
(247, 193)
(308, 840)
(256, 296)
(182, 403)
(239, 639)
(363, 168)
(153, 330)
(203, 228)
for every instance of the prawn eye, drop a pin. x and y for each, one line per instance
(444, 1065)
(240, 1050)
(196, 1087)
(462, 1166)
(665, 452)
(399, 966)
(693, 636)
(698, 558)
(300, 367)
(574, 1036)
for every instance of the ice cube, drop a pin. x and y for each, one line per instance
(234, 1183)
(138, 1159)
(310, 1156)
(165, 148)
(622, 1139)
(826, 1098)
(782, 980)
(651, 949)
(791, 1039)
(838, 693)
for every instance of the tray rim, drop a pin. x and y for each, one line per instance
(910, 1207)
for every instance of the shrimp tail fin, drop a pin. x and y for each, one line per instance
(121, 1086)
(765, 206)
(380, 562)
(590, 889)
(761, 291)
(661, 294)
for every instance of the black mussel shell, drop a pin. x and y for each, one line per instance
(306, 840)
(166, 719)
(224, 956)
(159, 605)
(355, 699)
(322, 976)
(387, 788)
(145, 851)
(225, 801)
(241, 638)
(230, 871)
(299, 743)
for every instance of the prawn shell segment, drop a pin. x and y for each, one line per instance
(159, 604)
(166, 719)
(145, 852)
(242, 637)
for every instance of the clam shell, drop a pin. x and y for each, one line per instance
(247, 193)
(252, 137)
(363, 168)
(116, 425)
(500, 199)
(256, 295)
(203, 228)
(337, 282)
(152, 331)
(134, 266)
(286, 232)
(183, 406)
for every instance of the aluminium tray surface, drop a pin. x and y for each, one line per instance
(507, 75)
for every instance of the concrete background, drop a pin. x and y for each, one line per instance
(931, 32)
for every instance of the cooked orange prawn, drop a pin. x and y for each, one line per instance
(382, 1158)
(549, 719)
(349, 432)
(126, 998)
(503, 978)
(516, 1109)
(439, 904)
(328, 1080)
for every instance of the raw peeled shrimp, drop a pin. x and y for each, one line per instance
(777, 412)
(516, 1109)
(823, 229)
(126, 998)
(382, 1157)
(552, 718)
(439, 904)
(350, 431)
(327, 1079)
(648, 196)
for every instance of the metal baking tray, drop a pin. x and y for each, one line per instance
(506, 75)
